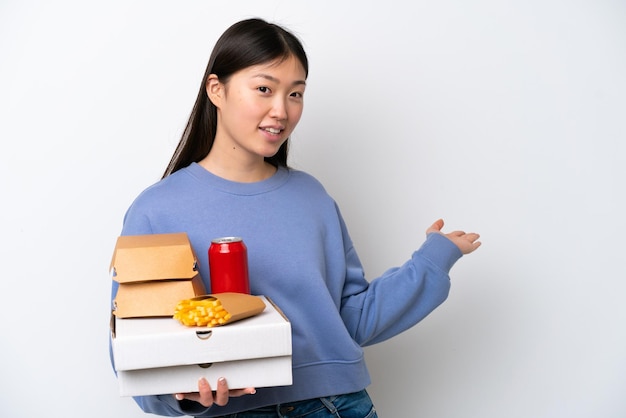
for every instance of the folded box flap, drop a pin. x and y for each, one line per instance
(153, 257)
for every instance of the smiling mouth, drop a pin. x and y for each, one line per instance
(272, 130)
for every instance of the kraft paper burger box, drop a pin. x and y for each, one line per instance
(156, 356)
(154, 272)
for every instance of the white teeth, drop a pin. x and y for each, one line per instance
(273, 131)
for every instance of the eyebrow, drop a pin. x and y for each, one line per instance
(275, 80)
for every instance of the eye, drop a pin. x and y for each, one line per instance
(264, 89)
(297, 95)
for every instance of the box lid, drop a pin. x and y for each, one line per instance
(153, 257)
(144, 343)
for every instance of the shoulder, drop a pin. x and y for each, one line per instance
(308, 193)
(304, 179)
(306, 184)
(165, 195)
(177, 183)
(151, 196)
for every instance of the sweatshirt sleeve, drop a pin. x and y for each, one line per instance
(402, 296)
(167, 405)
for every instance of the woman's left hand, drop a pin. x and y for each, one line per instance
(467, 242)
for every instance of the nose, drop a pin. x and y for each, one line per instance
(279, 109)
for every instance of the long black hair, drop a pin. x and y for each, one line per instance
(246, 43)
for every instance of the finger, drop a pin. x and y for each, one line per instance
(240, 392)
(194, 396)
(221, 394)
(471, 247)
(205, 395)
(435, 227)
(473, 241)
(472, 236)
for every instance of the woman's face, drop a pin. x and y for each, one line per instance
(258, 108)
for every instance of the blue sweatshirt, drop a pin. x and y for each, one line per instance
(300, 255)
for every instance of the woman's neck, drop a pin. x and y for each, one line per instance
(235, 171)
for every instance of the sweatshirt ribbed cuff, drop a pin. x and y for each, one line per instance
(440, 250)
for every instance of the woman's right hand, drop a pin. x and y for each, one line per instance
(207, 397)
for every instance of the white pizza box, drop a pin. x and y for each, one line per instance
(256, 373)
(151, 354)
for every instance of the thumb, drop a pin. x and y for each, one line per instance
(435, 227)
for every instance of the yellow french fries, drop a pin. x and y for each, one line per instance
(207, 312)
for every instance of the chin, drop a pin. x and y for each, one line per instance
(268, 153)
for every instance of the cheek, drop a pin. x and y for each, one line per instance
(245, 114)
(295, 113)
(247, 105)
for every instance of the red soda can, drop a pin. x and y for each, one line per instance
(228, 265)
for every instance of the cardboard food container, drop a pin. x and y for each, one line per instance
(202, 310)
(154, 273)
(156, 356)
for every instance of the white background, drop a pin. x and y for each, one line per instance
(505, 118)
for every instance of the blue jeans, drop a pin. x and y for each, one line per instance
(352, 405)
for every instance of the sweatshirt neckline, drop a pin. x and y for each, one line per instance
(233, 187)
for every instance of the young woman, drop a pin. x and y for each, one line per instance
(229, 177)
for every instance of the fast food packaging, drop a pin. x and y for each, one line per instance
(154, 272)
(154, 356)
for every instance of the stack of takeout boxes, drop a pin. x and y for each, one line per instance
(154, 273)
(155, 354)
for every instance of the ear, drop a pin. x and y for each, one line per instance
(214, 90)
